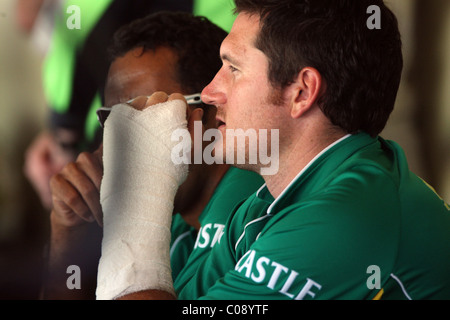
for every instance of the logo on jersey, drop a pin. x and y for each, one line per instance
(276, 277)
(209, 235)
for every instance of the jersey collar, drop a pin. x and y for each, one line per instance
(297, 178)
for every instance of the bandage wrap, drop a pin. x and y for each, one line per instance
(137, 193)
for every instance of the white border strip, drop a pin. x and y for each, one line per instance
(175, 243)
(304, 169)
(251, 222)
(401, 286)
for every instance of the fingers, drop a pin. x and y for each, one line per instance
(196, 129)
(76, 191)
(99, 154)
(139, 103)
(157, 97)
(92, 166)
(67, 208)
(92, 172)
(143, 102)
(195, 116)
(176, 96)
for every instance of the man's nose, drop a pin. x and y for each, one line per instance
(212, 94)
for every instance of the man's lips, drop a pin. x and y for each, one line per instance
(220, 122)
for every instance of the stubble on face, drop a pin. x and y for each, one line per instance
(252, 103)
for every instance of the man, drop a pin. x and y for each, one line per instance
(75, 71)
(343, 218)
(174, 52)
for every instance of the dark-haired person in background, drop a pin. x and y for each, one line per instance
(166, 51)
(75, 70)
(344, 217)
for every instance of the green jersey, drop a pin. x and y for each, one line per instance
(354, 224)
(190, 247)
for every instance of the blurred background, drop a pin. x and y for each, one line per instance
(420, 124)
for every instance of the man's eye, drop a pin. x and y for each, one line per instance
(233, 69)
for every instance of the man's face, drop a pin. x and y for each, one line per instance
(141, 74)
(241, 90)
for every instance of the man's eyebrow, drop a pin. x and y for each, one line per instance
(227, 57)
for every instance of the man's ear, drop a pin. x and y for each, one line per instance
(306, 90)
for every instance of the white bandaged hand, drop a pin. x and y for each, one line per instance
(137, 193)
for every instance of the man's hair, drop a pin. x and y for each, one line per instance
(361, 66)
(195, 40)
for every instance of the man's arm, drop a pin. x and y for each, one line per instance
(148, 295)
(78, 247)
(135, 262)
(75, 239)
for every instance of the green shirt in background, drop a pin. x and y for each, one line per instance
(190, 248)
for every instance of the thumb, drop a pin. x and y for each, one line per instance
(99, 153)
(195, 116)
(197, 146)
